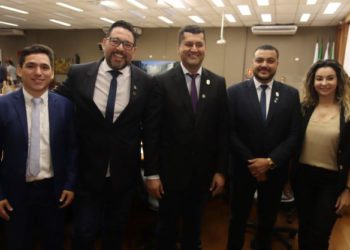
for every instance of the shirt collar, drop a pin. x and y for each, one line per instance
(105, 68)
(199, 72)
(257, 83)
(28, 97)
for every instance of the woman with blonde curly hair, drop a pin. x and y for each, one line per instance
(322, 182)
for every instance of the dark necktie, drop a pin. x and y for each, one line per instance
(111, 96)
(263, 100)
(194, 96)
(34, 147)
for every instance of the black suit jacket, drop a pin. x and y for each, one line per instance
(102, 142)
(343, 152)
(252, 137)
(193, 146)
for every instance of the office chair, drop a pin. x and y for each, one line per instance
(283, 234)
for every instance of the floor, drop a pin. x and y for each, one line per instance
(140, 229)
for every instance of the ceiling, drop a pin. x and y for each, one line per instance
(283, 12)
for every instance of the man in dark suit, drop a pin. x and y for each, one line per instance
(111, 98)
(264, 126)
(190, 103)
(37, 169)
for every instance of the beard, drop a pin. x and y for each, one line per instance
(264, 78)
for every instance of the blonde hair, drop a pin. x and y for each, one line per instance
(310, 96)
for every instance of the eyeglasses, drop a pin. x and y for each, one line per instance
(115, 42)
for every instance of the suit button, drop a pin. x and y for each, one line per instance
(341, 167)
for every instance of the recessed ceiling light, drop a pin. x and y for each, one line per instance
(178, 4)
(138, 4)
(230, 18)
(13, 9)
(331, 8)
(107, 20)
(263, 2)
(69, 7)
(197, 19)
(266, 18)
(9, 24)
(244, 9)
(305, 17)
(218, 3)
(166, 20)
(311, 2)
(59, 22)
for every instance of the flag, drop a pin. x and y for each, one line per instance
(320, 51)
(332, 56)
(316, 52)
(326, 53)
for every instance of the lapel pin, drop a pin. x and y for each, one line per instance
(134, 93)
(207, 82)
(277, 94)
(203, 96)
(135, 88)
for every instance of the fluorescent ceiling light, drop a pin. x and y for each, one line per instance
(138, 14)
(9, 24)
(15, 17)
(266, 18)
(107, 20)
(230, 18)
(311, 2)
(138, 4)
(59, 22)
(244, 9)
(331, 8)
(218, 3)
(196, 19)
(263, 2)
(305, 17)
(13, 9)
(109, 4)
(166, 20)
(178, 4)
(69, 7)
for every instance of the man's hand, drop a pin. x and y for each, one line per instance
(217, 184)
(67, 198)
(258, 168)
(154, 188)
(4, 208)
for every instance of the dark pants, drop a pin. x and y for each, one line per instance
(187, 205)
(243, 187)
(316, 193)
(105, 214)
(39, 215)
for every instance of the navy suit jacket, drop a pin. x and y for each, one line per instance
(14, 145)
(101, 142)
(252, 137)
(193, 146)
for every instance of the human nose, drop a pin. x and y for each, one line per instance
(38, 70)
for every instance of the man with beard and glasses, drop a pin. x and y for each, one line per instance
(264, 128)
(110, 98)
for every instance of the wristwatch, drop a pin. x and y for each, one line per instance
(272, 165)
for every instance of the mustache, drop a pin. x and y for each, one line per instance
(264, 68)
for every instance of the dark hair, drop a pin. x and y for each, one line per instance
(9, 61)
(123, 24)
(311, 96)
(36, 49)
(194, 29)
(268, 47)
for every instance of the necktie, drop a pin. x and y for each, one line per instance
(263, 100)
(194, 96)
(111, 96)
(34, 148)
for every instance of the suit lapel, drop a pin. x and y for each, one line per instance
(20, 107)
(204, 92)
(52, 104)
(254, 100)
(274, 100)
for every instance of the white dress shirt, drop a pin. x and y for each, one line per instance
(103, 82)
(267, 91)
(101, 91)
(46, 170)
